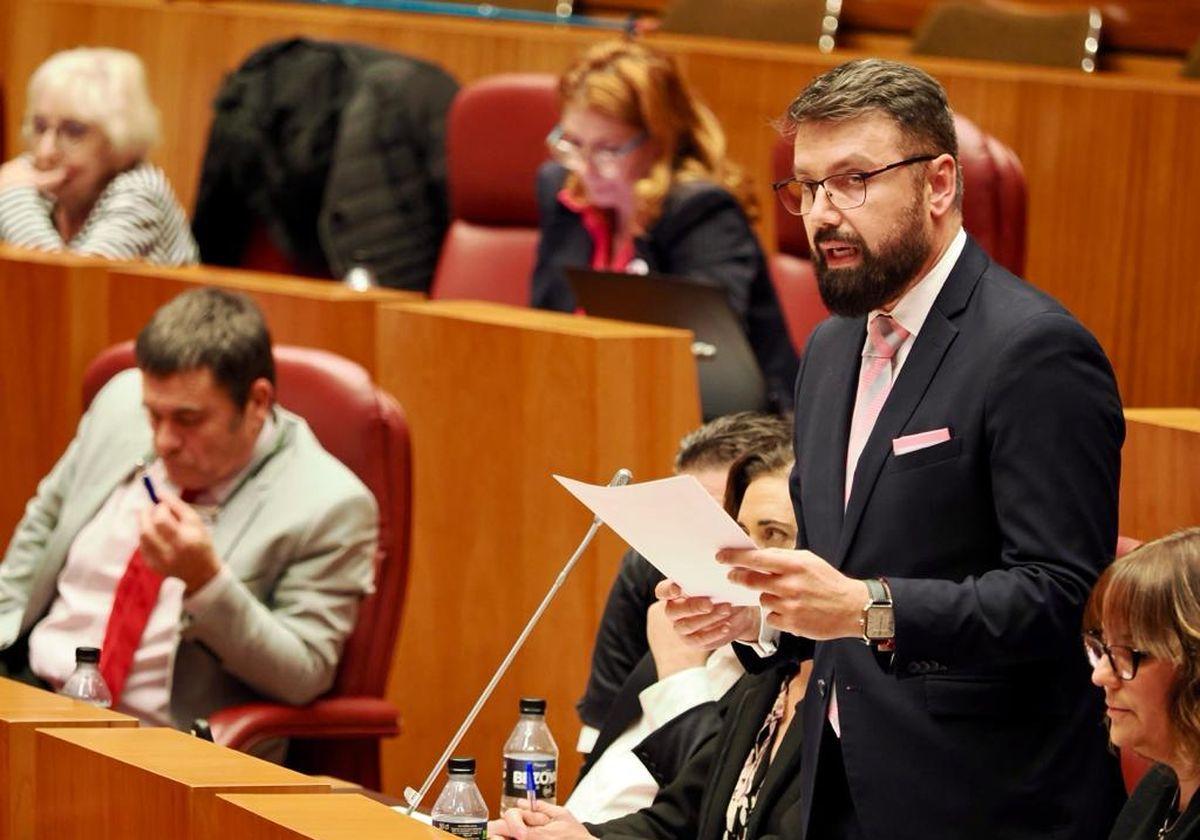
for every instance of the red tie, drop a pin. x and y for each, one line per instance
(134, 600)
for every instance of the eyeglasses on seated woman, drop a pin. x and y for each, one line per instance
(1142, 638)
(638, 181)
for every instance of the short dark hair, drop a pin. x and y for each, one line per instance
(751, 466)
(911, 97)
(209, 328)
(720, 442)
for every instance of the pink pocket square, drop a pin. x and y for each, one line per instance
(921, 440)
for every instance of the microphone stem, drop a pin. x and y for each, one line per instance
(500, 672)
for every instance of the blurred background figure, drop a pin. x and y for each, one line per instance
(84, 184)
(1142, 636)
(640, 183)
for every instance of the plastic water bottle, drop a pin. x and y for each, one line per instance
(86, 683)
(460, 809)
(530, 746)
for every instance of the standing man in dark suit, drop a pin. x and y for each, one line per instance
(958, 440)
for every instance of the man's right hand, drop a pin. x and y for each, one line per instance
(706, 625)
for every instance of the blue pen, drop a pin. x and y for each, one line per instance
(149, 487)
(530, 786)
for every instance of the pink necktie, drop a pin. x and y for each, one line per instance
(874, 382)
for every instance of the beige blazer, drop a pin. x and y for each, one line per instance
(299, 535)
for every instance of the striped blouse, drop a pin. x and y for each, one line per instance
(136, 217)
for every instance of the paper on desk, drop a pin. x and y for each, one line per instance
(677, 526)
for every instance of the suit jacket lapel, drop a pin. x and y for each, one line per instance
(934, 339)
(750, 712)
(830, 421)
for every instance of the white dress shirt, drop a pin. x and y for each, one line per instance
(87, 584)
(619, 784)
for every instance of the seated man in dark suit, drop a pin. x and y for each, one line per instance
(239, 579)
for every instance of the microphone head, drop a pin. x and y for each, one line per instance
(622, 477)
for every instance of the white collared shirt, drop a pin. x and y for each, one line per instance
(87, 584)
(619, 784)
(914, 306)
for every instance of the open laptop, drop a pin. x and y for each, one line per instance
(730, 379)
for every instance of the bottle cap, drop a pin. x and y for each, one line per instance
(87, 654)
(461, 766)
(533, 706)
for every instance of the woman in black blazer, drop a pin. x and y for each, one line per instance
(1143, 640)
(639, 183)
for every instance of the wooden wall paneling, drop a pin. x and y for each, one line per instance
(23, 709)
(1107, 155)
(252, 816)
(49, 326)
(1160, 468)
(1140, 25)
(498, 399)
(312, 313)
(143, 784)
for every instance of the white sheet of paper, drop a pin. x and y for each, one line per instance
(677, 526)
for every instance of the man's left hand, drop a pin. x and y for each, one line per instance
(802, 593)
(175, 543)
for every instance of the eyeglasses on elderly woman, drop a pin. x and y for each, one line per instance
(1123, 659)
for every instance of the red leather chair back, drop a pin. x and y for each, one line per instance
(495, 142)
(993, 197)
(365, 429)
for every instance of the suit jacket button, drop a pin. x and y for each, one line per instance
(821, 687)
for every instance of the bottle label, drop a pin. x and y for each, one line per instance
(472, 830)
(545, 777)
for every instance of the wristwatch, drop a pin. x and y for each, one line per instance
(878, 620)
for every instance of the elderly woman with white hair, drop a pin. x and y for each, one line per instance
(84, 184)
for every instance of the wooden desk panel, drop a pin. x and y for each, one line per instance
(498, 399)
(143, 784)
(312, 313)
(1160, 471)
(49, 326)
(249, 816)
(23, 710)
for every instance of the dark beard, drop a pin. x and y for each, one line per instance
(880, 278)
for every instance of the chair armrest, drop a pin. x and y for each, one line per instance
(241, 727)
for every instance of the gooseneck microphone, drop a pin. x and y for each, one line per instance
(414, 797)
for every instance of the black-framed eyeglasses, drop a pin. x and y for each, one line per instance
(1123, 659)
(845, 190)
(605, 159)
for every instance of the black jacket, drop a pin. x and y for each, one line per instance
(693, 806)
(1148, 809)
(985, 723)
(702, 234)
(337, 149)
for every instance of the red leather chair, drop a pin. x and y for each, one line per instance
(495, 142)
(365, 429)
(993, 212)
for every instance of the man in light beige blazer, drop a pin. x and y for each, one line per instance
(262, 568)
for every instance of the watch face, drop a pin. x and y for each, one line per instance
(881, 622)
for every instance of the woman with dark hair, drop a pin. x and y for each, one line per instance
(1142, 638)
(639, 183)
